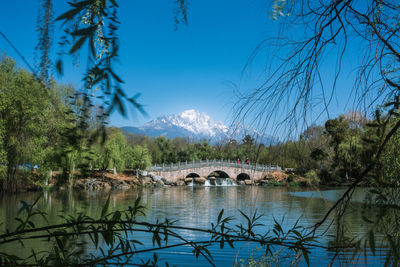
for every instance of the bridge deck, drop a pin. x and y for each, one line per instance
(213, 163)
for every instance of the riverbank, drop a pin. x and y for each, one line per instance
(128, 179)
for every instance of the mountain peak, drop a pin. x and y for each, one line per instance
(196, 123)
(189, 123)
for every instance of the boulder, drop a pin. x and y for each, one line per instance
(132, 181)
(159, 183)
(211, 178)
(248, 182)
(156, 178)
(241, 182)
(188, 180)
(180, 183)
(79, 184)
(107, 186)
(123, 185)
(144, 173)
(167, 182)
(199, 180)
(146, 180)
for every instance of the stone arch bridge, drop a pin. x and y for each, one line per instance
(203, 168)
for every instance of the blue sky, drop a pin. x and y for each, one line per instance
(195, 67)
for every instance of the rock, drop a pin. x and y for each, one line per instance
(79, 184)
(241, 182)
(188, 180)
(167, 182)
(199, 180)
(269, 176)
(107, 186)
(123, 185)
(143, 173)
(248, 182)
(150, 174)
(156, 178)
(115, 184)
(159, 183)
(212, 178)
(132, 181)
(180, 183)
(147, 180)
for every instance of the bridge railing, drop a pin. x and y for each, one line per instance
(213, 163)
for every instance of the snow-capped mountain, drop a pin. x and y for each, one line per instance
(193, 121)
(191, 124)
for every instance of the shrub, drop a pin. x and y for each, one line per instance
(312, 178)
(291, 178)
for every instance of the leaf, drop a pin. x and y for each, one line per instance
(372, 241)
(105, 207)
(114, 3)
(117, 216)
(220, 215)
(120, 92)
(207, 251)
(390, 104)
(116, 77)
(77, 44)
(60, 243)
(82, 4)
(117, 102)
(59, 67)
(84, 31)
(245, 216)
(69, 14)
(305, 255)
(391, 83)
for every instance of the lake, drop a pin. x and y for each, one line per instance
(199, 206)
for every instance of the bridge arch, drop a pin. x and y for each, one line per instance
(219, 174)
(192, 175)
(242, 176)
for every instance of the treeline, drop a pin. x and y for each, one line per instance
(330, 153)
(45, 127)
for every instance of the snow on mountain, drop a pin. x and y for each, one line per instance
(192, 124)
(195, 122)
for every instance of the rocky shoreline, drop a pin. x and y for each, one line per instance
(109, 181)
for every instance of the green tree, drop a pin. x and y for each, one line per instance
(138, 157)
(25, 111)
(112, 153)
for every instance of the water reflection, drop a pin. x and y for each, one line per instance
(198, 206)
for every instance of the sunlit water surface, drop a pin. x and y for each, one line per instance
(199, 206)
